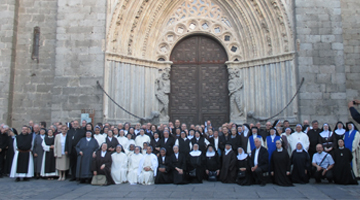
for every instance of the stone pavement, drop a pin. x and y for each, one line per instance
(44, 189)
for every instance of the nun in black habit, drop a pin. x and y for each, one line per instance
(339, 131)
(48, 163)
(85, 149)
(342, 167)
(228, 169)
(244, 176)
(195, 163)
(212, 163)
(164, 173)
(101, 164)
(10, 150)
(280, 166)
(300, 160)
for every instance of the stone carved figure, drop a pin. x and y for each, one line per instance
(235, 86)
(163, 91)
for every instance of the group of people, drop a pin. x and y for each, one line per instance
(176, 153)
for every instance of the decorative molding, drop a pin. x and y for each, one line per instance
(138, 61)
(261, 61)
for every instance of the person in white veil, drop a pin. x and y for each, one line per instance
(122, 139)
(148, 167)
(133, 167)
(119, 166)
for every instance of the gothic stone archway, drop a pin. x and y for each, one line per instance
(199, 80)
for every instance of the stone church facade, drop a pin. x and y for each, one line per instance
(224, 60)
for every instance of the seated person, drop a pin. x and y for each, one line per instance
(323, 163)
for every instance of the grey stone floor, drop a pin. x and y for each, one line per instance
(44, 189)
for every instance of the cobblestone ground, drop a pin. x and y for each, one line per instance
(44, 189)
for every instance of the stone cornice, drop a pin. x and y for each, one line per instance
(261, 61)
(137, 61)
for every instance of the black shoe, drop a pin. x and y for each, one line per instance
(262, 184)
(17, 179)
(72, 179)
(26, 179)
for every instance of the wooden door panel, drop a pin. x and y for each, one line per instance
(199, 82)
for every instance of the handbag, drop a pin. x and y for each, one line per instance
(241, 174)
(99, 180)
(192, 173)
(212, 176)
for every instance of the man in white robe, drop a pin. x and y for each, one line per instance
(298, 136)
(134, 161)
(140, 139)
(148, 167)
(23, 163)
(119, 166)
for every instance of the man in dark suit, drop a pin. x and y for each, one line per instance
(167, 142)
(259, 162)
(73, 137)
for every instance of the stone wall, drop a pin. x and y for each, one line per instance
(7, 15)
(320, 53)
(33, 80)
(351, 36)
(79, 59)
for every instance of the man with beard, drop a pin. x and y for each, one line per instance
(73, 137)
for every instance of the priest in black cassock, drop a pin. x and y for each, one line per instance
(259, 162)
(280, 166)
(228, 169)
(101, 164)
(178, 166)
(342, 168)
(23, 163)
(164, 173)
(73, 137)
(85, 149)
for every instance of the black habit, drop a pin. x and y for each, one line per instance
(263, 164)
(168, 145)
(228, 169)
(24, 144)
(245, 163)
(196, 163)
(164, 177)
(280, 165)
(342, 167)
(72, 139)
(98, 161)
(301, 162)
(9, 154)
(180, 163)
(49, 156)
(84, 162)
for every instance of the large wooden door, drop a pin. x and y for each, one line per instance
(199, 80)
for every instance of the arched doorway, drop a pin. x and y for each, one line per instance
(199, 80)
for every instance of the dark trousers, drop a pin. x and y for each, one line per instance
(318, 175)
(258, 175)
(2, 162)
(73, 162)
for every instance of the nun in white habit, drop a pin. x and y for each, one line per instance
(119, 166)
(148, 167)
(133, 166)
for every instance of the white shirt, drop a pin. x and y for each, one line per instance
(166, 139)
(256, 156)
(177, 155)
(103, 153)
(216, 143)
(88, 139)
(110, 138)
